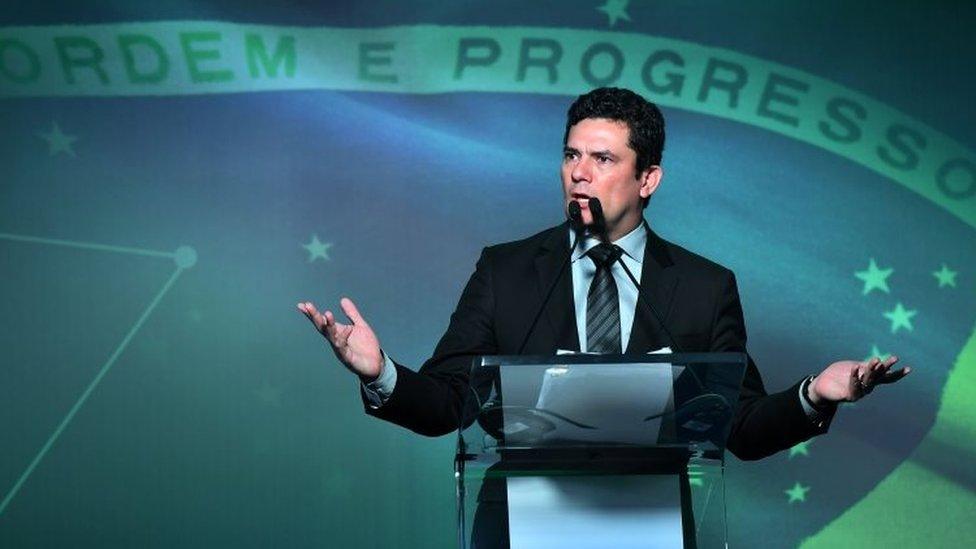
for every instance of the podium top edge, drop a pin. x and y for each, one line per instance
(630, 358)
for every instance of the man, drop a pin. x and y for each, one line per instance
(612, 151)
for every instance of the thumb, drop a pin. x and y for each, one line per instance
(352, 312)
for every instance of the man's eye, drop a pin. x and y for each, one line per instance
(568, 155)
(603, 159)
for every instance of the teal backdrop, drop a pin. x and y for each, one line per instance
(176, 176)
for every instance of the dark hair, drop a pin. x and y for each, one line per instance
(642, 117)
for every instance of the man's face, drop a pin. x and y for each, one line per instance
(598, 162)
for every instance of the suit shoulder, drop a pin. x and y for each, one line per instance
(528, 245)
(694, 264)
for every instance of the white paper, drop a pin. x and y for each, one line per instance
(615, 401)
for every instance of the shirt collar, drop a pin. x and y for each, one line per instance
(632, 243)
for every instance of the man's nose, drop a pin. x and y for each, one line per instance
(581, 170)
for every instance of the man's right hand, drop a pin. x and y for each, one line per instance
(354, 344)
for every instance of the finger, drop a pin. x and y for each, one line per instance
(872, 374)
(307, 307)
(325, 323)
(868, 384)
(352, 312)
(885, 366)
(312, 314)
(337, 334)
(331, 327)
(854, 387)
(896, 375)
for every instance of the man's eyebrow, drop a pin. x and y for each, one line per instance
(567, 148)
(605, 152)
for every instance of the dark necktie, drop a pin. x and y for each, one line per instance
(602, 306)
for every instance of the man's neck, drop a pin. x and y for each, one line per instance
(624, 229)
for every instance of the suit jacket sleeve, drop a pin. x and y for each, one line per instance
(764, 423)
(429, 401)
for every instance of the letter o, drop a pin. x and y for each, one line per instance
(942, 178)
(33, 62)
(587, 60)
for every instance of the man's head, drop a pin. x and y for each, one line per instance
(612, 150)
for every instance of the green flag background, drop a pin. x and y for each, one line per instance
(176, 177)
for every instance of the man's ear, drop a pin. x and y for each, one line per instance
(649, 180)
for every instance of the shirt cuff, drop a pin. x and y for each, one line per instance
(819, 415)
(379, 390)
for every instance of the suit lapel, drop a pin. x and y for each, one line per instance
(560, 313)
(658, 280)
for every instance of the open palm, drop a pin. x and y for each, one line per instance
(850, 380)
(354, 344)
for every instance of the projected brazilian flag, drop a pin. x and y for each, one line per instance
(175, 179)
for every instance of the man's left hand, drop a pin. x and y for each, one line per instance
(851, 380)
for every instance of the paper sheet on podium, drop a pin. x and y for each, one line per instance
(619, 404)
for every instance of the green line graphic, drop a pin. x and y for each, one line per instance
(86, 245)
(91, 387)
(184, 256)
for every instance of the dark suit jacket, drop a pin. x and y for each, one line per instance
(697, 298)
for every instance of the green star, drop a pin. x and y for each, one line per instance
(801, 449)
(57, 141)
(900, 317)
(945, 276)
(316, 249)
(797, 493)
(874, 278)
(615, 10)
(875, 352)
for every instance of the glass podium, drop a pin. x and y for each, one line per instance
(596, 450)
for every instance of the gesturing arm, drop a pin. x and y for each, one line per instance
(767, 423)
(429, 401)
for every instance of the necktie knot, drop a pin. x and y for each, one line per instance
(603, 255)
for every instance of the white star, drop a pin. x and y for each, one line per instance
(797, 493)
(801, 449)
(945, 276)
(901, 317)
(317, 249)
(58, 141)
(615, 10)
(875, 352)
(874, 278)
